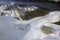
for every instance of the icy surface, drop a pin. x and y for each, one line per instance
(10, 29)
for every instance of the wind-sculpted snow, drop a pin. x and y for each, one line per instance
(35, 32)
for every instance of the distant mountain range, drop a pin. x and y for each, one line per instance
(27, 0)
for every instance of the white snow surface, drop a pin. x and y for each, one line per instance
(13, 29)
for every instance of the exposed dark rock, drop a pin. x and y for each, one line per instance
(36, 13)
(46, 29)
(57, 23)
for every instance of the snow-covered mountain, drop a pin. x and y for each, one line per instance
(13, 29)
